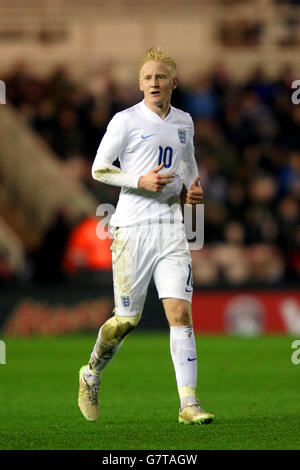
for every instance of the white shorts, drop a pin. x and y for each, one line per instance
(140, 252)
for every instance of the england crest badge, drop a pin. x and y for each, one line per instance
(125, 300)
(182, 135)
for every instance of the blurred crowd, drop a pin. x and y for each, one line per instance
(247, 146)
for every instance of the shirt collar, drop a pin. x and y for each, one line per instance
(154, 116)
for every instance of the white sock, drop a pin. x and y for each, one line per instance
(91, 376)
(102, 354)
(184, 356)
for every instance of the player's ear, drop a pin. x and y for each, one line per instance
(175, 82)
(141, 85)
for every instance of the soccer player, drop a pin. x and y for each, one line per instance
(154, 144)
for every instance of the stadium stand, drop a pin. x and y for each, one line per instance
(247, 146)
(246, 126)
(34, 189)
(12, 254)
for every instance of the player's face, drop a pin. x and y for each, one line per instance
(157, 83)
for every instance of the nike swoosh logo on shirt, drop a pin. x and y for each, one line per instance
(188, 290)
(189, 359)
(146, 136)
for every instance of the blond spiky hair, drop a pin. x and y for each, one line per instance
(158, 54)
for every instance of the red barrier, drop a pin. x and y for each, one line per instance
(248, 313)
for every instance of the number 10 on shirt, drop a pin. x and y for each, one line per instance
(165, 155)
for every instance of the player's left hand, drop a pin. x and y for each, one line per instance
(195, 193)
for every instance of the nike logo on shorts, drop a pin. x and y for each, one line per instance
(146, 136)
(189, 359)
(188, 290)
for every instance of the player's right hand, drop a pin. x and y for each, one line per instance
(155, 182)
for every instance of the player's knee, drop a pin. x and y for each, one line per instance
(117, 328)
(127, 324)
(181, 316)
(182, 319)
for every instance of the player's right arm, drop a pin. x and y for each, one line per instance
(112, 145)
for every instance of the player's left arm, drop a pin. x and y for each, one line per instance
(189, 170)
(195, 193)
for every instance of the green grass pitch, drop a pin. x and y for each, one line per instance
(250, 384)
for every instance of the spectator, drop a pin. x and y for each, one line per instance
(85, 250)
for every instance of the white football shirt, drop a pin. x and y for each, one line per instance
(141, 140)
